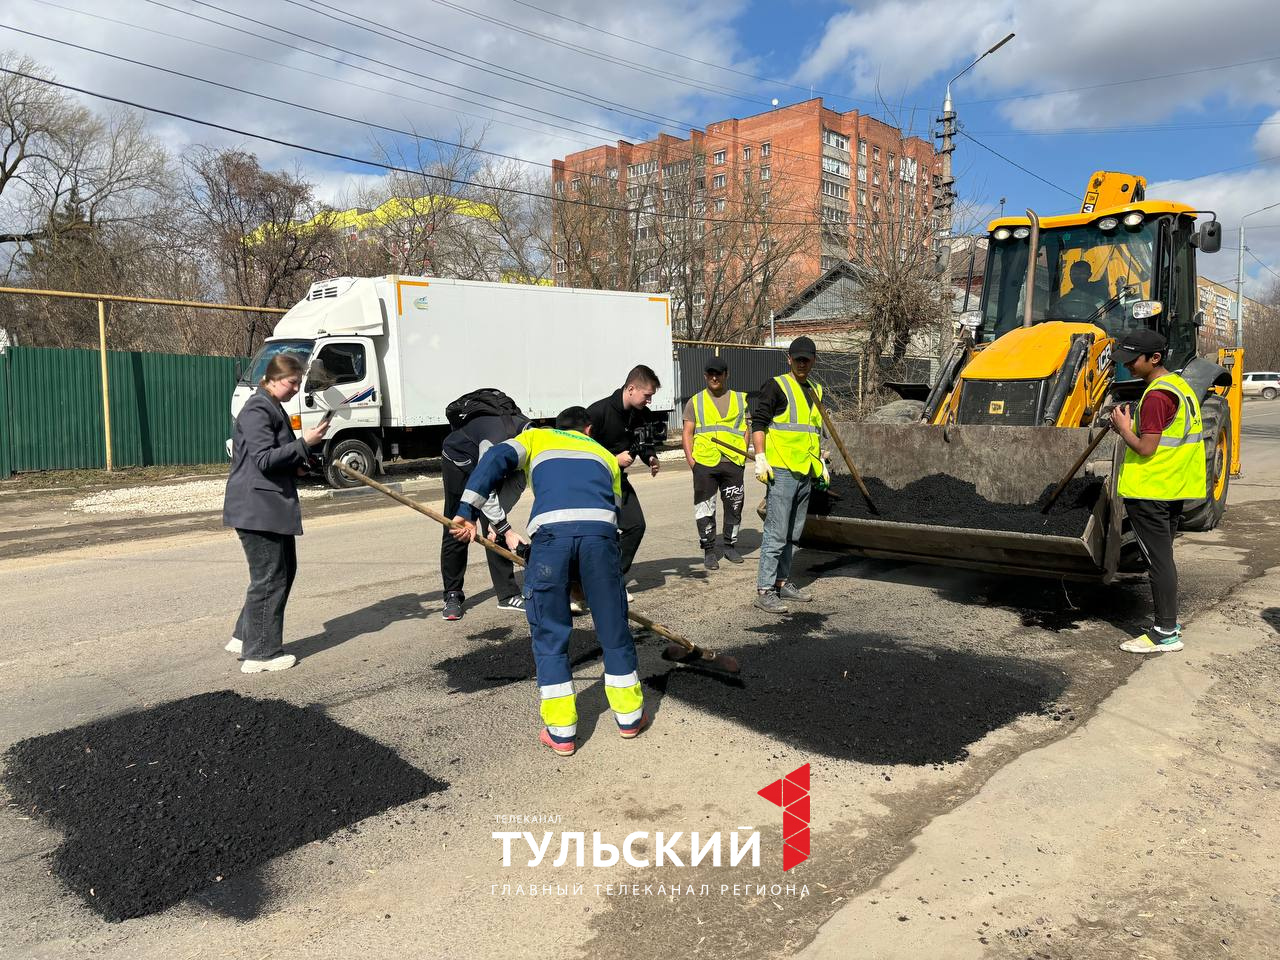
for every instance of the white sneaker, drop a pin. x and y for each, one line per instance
(282, 662)
(234, 646)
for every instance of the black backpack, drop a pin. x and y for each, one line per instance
(485, 402)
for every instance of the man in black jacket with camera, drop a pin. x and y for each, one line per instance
(619, 424)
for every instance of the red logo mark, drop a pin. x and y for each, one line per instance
(791, 793)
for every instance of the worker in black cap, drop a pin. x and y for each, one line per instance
(1164, 466)
(716, 413)
(787, 433)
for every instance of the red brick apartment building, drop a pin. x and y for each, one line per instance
(750, 209)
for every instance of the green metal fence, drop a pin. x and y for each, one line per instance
(165, 409)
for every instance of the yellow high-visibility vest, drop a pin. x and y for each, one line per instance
(793, 440)
(708, 423)
(1176, 470)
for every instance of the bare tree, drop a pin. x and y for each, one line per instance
(1262, 332)
(718, 247)
(265, 235)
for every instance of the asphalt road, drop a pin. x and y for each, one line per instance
(904, 687)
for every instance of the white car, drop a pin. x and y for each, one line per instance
(1264, 384)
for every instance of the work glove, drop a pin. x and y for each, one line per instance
(824, 479)
(764, 472)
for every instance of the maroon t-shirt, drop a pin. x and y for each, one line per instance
(1157, 411)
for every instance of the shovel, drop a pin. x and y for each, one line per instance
(689, 652)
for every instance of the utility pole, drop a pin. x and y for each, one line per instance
(944, 202)
(1240, 275)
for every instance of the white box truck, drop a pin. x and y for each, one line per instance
(402, 348)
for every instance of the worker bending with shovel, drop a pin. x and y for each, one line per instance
(787, 433)
(577, 492)
(1163, 466)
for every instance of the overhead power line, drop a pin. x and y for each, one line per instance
(1015, 163)
(311, 73)
(1261, 264)
(393, 168)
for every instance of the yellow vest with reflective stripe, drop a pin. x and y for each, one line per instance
(793, 440)
(1176, 471)
(708, 423)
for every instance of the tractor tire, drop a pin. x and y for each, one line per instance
(1269, 393)
(1201, 515)
(357, 455)
(898, 411)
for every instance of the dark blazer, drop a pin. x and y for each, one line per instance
(262, 490)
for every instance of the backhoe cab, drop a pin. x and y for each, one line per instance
(1057, 293)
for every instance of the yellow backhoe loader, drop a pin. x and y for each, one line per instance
(1030, 382)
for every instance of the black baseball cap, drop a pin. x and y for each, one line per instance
(1138, 343)
(716, 365)
(802, 348)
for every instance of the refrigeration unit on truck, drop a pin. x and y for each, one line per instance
(388, 354)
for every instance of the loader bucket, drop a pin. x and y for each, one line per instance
(1006, 465)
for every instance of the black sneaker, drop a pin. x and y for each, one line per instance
(709, 559)
(731, 553)
(515, 603)
(452, 606)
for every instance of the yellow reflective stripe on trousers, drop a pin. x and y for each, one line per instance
(625, 697)
(559, 709)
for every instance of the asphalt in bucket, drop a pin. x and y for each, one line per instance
(158, 804)
(948, 501)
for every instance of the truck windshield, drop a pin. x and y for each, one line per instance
(258, 365)
(1081, 274)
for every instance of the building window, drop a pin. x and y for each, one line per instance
(561, 266)
(834, 214)
(675, 169)
(829, 262)
(596, 180)
(764, 198)
(875, 176)
(832, 189)
(717, 182)
(839, 167)
(718, 158)
(746, 153)
(699, 298)
(833, 139)
(612, 173)
(862, 149)
(700, 183)
(862, 172)
(576, 184)
(907, 169)
(765, 149)
(875, 154)
(862, 197)
(641, 169)
(719, 205)
(765, 173)
(559, 188)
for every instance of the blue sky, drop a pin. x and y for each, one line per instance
(1185, 132)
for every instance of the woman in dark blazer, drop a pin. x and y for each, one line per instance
(262, 505)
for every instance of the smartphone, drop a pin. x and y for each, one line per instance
(327, 417)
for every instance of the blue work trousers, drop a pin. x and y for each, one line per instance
(787, 505)
(592, 560)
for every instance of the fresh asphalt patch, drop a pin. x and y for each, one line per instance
(161, 803)
(869, 697)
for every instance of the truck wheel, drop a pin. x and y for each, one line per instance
(1269, 393)
(1201, 515)
(899, 411)
(357, 455)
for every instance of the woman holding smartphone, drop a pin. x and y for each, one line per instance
(262, 505)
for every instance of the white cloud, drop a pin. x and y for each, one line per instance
(1233, 195)
(909, 43)
(416, 97)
